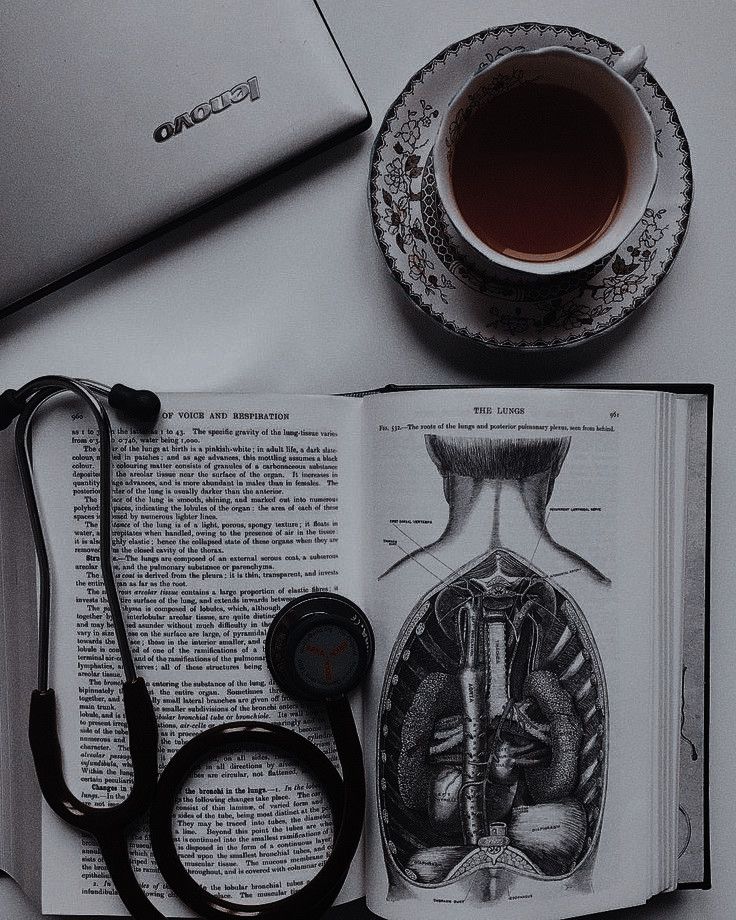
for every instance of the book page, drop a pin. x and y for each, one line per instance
(693, 855)
(234, 505)
(510, 583)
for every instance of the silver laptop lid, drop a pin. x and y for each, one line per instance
(118, 117)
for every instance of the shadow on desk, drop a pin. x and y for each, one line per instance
(514, 367)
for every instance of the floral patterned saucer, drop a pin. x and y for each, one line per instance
(422, 249)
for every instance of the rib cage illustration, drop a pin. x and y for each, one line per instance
(492, 747)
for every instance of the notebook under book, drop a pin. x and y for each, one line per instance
(120, 117)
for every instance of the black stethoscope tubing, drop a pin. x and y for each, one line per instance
(42, 389)
(346, 799)
(111, 825)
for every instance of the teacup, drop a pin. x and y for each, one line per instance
(578, 75)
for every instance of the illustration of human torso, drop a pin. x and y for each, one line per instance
(492, 721)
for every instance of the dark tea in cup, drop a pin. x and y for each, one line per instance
(539, 171)
(545, 161)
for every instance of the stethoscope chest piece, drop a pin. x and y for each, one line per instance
(319, 647)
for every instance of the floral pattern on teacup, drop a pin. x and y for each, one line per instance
(427, 261)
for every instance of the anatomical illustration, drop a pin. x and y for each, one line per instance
(492, 726)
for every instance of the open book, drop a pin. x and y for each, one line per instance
(534, 563)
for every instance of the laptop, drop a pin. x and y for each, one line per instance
(121, 117)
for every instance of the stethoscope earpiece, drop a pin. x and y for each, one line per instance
(141, 406)
(319, 646)
(11, 406)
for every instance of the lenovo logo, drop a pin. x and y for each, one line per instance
(248, 90)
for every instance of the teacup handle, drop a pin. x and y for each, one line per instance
(631, 62)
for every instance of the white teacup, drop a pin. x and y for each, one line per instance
(611, 89)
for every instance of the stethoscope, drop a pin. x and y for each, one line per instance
(318, 648)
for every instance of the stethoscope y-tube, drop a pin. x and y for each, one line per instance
(319, 648)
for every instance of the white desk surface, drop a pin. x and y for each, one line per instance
(283, 289)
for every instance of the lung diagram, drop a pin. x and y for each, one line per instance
(492, 741)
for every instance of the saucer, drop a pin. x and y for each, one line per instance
(427, 258)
